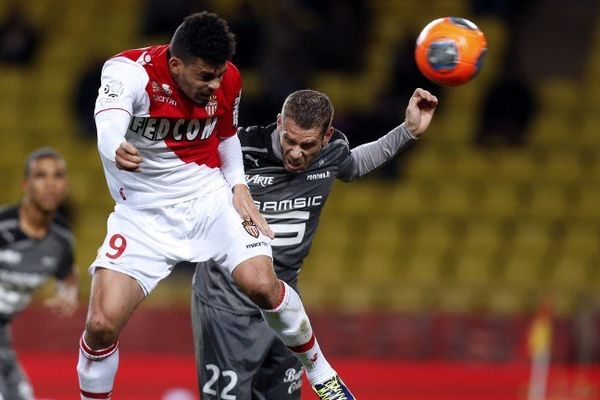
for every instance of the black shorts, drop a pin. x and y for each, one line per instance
(238, 357)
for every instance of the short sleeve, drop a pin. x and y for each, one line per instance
(122, 85)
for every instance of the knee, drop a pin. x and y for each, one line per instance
(101, 331)
(263, 289)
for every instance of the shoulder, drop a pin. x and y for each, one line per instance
(144, 55)
(339, 140)
(256, 138)
(232, 74)
(63, 233)
(9, 212)
(232, 81)
(133, 62)
(337, 149)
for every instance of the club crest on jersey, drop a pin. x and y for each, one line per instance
(250, 228)
(166, 89)
(211, 106)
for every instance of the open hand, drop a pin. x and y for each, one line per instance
(243, 203)
(64, 303)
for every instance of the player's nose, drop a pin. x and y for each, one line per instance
(214, 84)
(295, 153)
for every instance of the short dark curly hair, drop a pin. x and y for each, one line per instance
(203, 35)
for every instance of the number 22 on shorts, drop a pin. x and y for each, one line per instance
(117, 243)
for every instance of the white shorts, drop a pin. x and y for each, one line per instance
(147, 243)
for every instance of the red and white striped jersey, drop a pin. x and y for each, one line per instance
(177, 138)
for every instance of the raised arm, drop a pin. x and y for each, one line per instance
(370, 156)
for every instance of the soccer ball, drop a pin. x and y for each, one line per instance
(450, 51)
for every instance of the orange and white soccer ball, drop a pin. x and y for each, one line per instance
(450, 51)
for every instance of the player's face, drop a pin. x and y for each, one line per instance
(197, 79)
(47, 183)
(300, 146)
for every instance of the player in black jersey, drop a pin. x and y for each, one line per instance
(34, 246)
(290, 168)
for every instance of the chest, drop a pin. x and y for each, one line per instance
(28, 263)
(275, 190)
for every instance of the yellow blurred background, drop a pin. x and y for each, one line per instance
(463, 228)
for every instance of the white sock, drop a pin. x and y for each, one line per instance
(96, 370)
(290, 322)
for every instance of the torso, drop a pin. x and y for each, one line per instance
(292, 204)
(27, 263)
(177, 139)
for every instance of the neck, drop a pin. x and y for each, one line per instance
(33, 221)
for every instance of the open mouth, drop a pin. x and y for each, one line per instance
(294, 166)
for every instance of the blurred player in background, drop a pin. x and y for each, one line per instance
(34, 246)
(166, 118)
(291, 166)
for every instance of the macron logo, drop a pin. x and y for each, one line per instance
(320, 175)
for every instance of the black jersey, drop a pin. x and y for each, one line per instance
(27, 263)
(290, 202)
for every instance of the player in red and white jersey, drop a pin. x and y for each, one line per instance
(166, 118)
(176, 136)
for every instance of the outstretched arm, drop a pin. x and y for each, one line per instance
(370, 156)
(419, 112)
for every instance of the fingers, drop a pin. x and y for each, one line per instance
(243, 203)
(424, 99)
(127, 157)
(261, 223)
(61, 306)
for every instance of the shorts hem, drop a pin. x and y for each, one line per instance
(116, 268)
(241, 259)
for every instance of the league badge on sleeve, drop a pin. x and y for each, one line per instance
(111, 91)
(211, 106)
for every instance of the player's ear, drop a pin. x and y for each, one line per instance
(327, 135)
(175, 64)
(279, 121)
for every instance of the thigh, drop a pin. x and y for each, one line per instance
(228, 239)
(280, 376)
(229, 351)
(114, 296)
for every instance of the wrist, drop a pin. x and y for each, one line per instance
(409, 130)
(240, 187)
